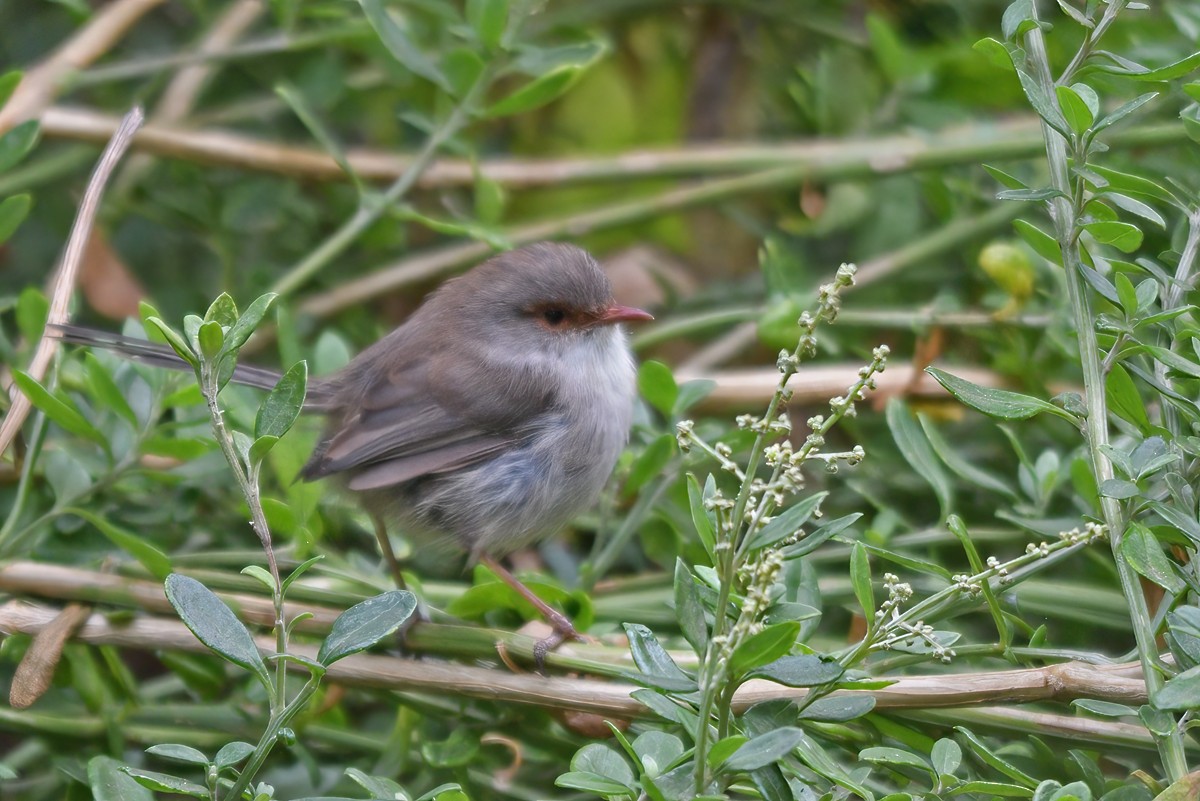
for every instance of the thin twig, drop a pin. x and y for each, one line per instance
(180, 95)
(42, 83)
(832, 159)
(1063, 682)
(68, 271)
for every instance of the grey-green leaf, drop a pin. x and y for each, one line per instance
(802, 670)
(787, 523)
(765, 749)
(108, 782)
(366, 623)
(996, 402)
(214, 624)
(283, 405)
(656, 666)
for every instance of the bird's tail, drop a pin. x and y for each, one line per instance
(139, 350)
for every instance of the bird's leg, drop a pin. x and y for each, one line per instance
(563, 628)
(389, 555)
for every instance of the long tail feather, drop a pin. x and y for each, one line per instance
(140, 350)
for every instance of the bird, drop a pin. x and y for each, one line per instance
(487, 420)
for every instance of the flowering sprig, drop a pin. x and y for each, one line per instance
(892, 627)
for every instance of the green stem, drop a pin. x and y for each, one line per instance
(368, 212)
(248, 483)
(1096, 431)
(279, 719)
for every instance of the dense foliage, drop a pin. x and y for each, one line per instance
(821, 571)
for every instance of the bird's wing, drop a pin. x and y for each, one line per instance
(407, 422)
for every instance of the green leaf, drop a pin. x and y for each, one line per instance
(1143, 552)
(109, 782)
(1181, 693)
(1136, 207)
(60, 411)
(1004, 178)
(724, 748)
(1123, 111)
(592, 783)
(283, 405)
(1104, 708)
(601, 760)
(964, 468)
(1124, 399)
(787, 523)
(657, 385)
(13, 211)
(215, 625)
(768, 645)
(765, 749)
(650, 463)
(838, 708)
(700, 516)
(916, 451)
(489, 19)
(1134, 185)
(8, 84)
(398, 43)
(17, 143)
(172, 338)
(1018, 18)
(823, 533)
(319, 131)
(300, 570)
(178, 753)
(688, 609)
(137, 546)
(1125, 237)
(894, 757)
(996, 52)
(1042, 105)
(222, 310)
(106, 390)
(210, 338)
(232, 753)
(996, 402)
(800, 670)
(989, 758)
(33, 309)
(240, 331)
(1042, 243)
(261, 575)
(536, 93)
(1028, 194)
(462, 67)
(860, 579)
(657, 667)
(1169, 72)
(1075, 108)
(366, 623)
(165, 783)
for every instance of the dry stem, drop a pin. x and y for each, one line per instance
(41, 84)
(68, 271)
(1063, 682)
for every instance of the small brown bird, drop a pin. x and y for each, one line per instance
(489, 419)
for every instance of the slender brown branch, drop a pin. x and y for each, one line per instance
(180, 95)
(865, 157)
(1063, 682)
(42, 83)
(68, 271)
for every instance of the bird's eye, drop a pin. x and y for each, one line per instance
(554, 315)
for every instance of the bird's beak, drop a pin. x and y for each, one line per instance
(622, 314)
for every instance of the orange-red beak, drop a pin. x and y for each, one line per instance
(622, 314)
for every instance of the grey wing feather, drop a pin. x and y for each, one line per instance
(395, 431)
